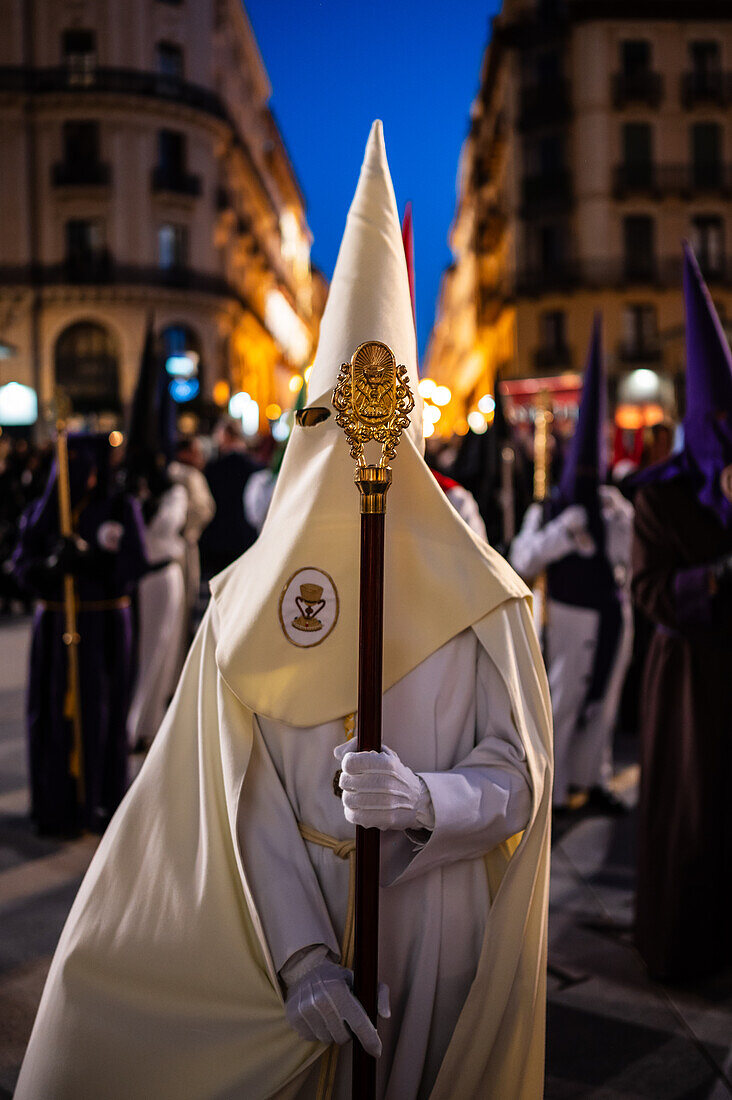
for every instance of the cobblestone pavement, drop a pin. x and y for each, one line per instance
(612, 1033)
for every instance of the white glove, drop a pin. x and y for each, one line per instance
(109, 536)
(573, 521)
(379, 792)
(321, 1007)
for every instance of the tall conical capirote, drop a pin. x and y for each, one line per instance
(369, 292)
(439, 577)
(152, 432)
(479, 468)
(585, 465)
(708, 416)
(143, 432)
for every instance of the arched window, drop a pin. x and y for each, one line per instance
(87, 367)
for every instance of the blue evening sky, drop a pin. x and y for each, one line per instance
(334, 66)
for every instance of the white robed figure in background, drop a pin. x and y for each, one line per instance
(583, 542)
(202, 957)
(161, 597)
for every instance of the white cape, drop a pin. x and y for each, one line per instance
(161, 985)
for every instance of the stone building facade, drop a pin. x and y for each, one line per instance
(600, 137)
(143, 174)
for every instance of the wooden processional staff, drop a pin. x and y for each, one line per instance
(71, 639)
(542, 433)
(373, 401)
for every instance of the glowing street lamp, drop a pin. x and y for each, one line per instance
(18, 405)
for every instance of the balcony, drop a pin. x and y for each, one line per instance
(534, 281)
(89, 269)
(65, 78)
(635, 179)
(102, 270)
(684, 180)
(544, 104)
(81, 174)
(639, 351)
(708, 88)
(645, 86)
(175, 182)
(547, 192)
(617, 274)
(640, 268)
(552, 358)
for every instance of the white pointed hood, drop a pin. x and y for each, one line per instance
(439, 578)
(370, 288)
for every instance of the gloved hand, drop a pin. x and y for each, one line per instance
(109, 536)
(321, 1007)
(574, 523)
(379, 792)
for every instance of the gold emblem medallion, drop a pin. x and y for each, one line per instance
(372, 400)
(308, 607)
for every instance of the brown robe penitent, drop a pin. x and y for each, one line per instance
(683, 922)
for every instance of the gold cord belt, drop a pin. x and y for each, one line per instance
(88, 605)
(342, 849)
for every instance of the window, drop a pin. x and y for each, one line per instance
(639, 247)
(638, 153)
(81, 142)
(84, 241)
(172, 246)
(553, 331)
(708, 240)
(706, 154)
(640, 331)
(172, 152)
(551, 248)
(87, 367)
(169, 59)
(79, 52)
(706, 58)
(635, 56)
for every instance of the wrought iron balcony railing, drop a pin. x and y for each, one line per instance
(553, 357)
(639, 351)
(65, 78)
(713, 87)
(547, 191)
(176, 181)
(102, 270)
(632, 270)
(644, 86)
(81, 174)
(684, 180)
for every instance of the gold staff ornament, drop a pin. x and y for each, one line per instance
(372, 400)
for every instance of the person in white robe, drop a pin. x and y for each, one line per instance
(187, 470)
(162, 613)
(588, 636)
(204, 955)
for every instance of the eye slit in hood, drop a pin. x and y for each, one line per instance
(308, 418)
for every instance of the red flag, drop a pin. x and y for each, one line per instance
(408, 239)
